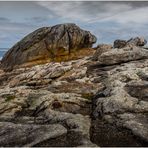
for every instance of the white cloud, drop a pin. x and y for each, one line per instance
(85, 11)
(91, 12)
(107, 20)
(66, 10)
(135, 16)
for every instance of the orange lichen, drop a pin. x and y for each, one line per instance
(75, 54)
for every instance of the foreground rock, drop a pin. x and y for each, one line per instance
(35, 134)
(49, 94)
(58, 43)
(98, 100)
(123, 101)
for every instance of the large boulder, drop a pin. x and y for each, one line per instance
(57, 43)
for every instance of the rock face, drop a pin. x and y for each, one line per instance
(101, 49)
(123, 55)
(57, 43)
(53, 100)
(123, 101)
(119, 43)
(46, 132)
(97, 100)
(138, 41)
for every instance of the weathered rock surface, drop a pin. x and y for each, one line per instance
(123, 101)
(28, 134)
(118, 56)
(101, 49)
(98, 100)
(49, 94)
(120, 43)
(57, 43)
(138, 41)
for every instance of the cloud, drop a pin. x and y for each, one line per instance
(4, 19)
(97, 11)
(135, 16)
(12, 32)
(37, 19)
(65, 10)
(107, 20)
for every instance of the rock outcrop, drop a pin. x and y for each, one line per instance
(57, 43)
(138, 41)
(123, 101)
(34, 133)
(97, 100)
(120, 43)
(101, 49)
(123, 55)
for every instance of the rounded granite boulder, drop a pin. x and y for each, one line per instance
(57, 43)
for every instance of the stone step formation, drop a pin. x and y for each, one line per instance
(96, 98)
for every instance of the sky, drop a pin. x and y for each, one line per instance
(108, 21)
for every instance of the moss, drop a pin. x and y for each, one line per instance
(87, 96)
(9, 97)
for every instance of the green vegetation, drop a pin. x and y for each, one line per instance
(9, 97)
(87, 96)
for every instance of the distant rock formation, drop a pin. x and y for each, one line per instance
(120, 43)
(57, 43)
(138, 41)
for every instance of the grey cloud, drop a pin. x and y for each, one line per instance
(90, 10)
(20, 18)
(136, 4)
(12, 32)
(14, 26)
(37, 19)
(4, 19)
